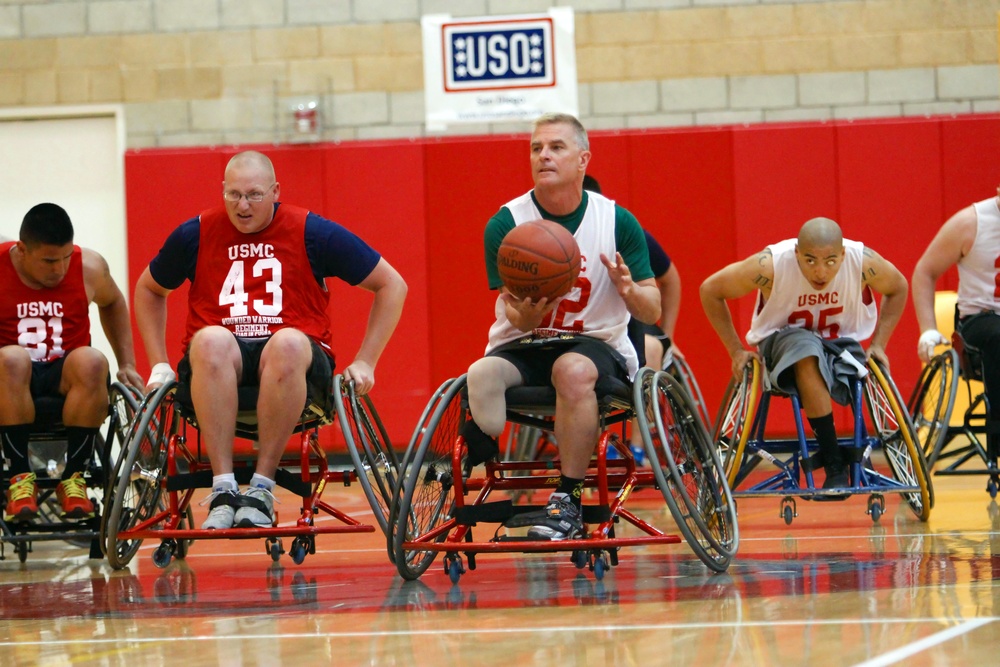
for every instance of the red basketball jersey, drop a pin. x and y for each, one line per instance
(256, 284)
(48, 322)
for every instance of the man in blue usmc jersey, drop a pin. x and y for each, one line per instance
(573, 340)
(814, 303)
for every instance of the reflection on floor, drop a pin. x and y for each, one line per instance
(831, 589)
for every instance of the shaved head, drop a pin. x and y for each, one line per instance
(820, 233)
(251, 160)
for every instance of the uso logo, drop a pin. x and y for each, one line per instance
(498, 54)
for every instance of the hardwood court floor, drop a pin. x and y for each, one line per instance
(830, 589)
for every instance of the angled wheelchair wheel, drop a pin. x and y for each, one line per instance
(138, 474)
(735, 419)
(932, 402)
(123, 403)
(687, 468)
(368, 444)
(890, 423)
(425, 496)
(680, 369)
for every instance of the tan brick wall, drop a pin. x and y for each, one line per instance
(178, 64)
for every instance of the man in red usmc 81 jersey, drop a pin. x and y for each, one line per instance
(969, 239)
(814, 302)
(48, 286)
(257, 316)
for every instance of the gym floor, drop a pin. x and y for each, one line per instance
(832, 588)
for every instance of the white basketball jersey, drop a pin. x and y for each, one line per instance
(845, 308)
(979, 271)
(593, 307)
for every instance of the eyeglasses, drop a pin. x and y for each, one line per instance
(254, 197)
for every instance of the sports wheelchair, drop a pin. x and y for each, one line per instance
(530, 442)
(432, 512)
(47, 454)
(880, 425)
(159, 471)
(932, 405)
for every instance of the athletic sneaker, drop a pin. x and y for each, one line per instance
(563, 520)
(222, 511)
(256, 509)
(72, 495)
(21, 498)
(836, 477)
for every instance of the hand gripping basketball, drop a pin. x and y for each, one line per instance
(539, 259)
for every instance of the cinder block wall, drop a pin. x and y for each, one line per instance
(206, 72)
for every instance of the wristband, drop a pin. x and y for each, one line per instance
(161, 374)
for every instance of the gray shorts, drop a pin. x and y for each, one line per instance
(840, 360)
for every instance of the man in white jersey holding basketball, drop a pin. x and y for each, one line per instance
(814, 306)
(572, 341)
(970, 239)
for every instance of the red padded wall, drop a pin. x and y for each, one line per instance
(466, 182)
(890, 197)
(710, 195)
(682, 192)
(971, 173)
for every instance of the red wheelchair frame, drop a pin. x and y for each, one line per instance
(157, 474)
(430, 513)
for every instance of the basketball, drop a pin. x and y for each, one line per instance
(539, 259)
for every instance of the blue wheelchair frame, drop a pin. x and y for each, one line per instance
(791, 455)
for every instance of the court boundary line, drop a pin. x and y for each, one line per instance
(920, 645)
(965, 627)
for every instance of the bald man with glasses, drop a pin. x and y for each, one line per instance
(257, 317)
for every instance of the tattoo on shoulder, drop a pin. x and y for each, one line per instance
(764, 256)
(762, 281)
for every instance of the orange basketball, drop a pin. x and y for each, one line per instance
(539, 259)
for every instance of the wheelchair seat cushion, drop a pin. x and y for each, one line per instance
(611, 392)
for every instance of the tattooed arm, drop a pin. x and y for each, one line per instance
(734, 281)
(884, 278)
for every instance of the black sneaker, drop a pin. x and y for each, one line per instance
(836, 478)
(563, 520)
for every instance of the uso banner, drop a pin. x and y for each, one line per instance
(498, 68)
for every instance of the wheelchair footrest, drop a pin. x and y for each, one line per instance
(202, 479)
(513, 516)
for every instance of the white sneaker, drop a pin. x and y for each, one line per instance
(222, 511)
(256, 509)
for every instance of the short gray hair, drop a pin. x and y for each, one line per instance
(579, 131)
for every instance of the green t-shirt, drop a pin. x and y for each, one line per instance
(629, 238)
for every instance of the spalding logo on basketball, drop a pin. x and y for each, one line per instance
(539, 259)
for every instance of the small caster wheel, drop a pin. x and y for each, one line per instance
(298, 551)
(163, 554)
(273, 548)
(788, 510)
(21, 548)
(991, 488)
(579, 558)
(455, 571)
(453, 567)
(876, 506)
(600, 566)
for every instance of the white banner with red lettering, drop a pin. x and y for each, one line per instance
(498, 68)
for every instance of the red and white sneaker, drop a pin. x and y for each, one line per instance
(22, 494)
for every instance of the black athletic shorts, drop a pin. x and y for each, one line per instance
(319, 377)
(534, 358)
(46, 377)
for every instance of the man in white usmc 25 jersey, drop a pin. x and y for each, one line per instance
(815, 303)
